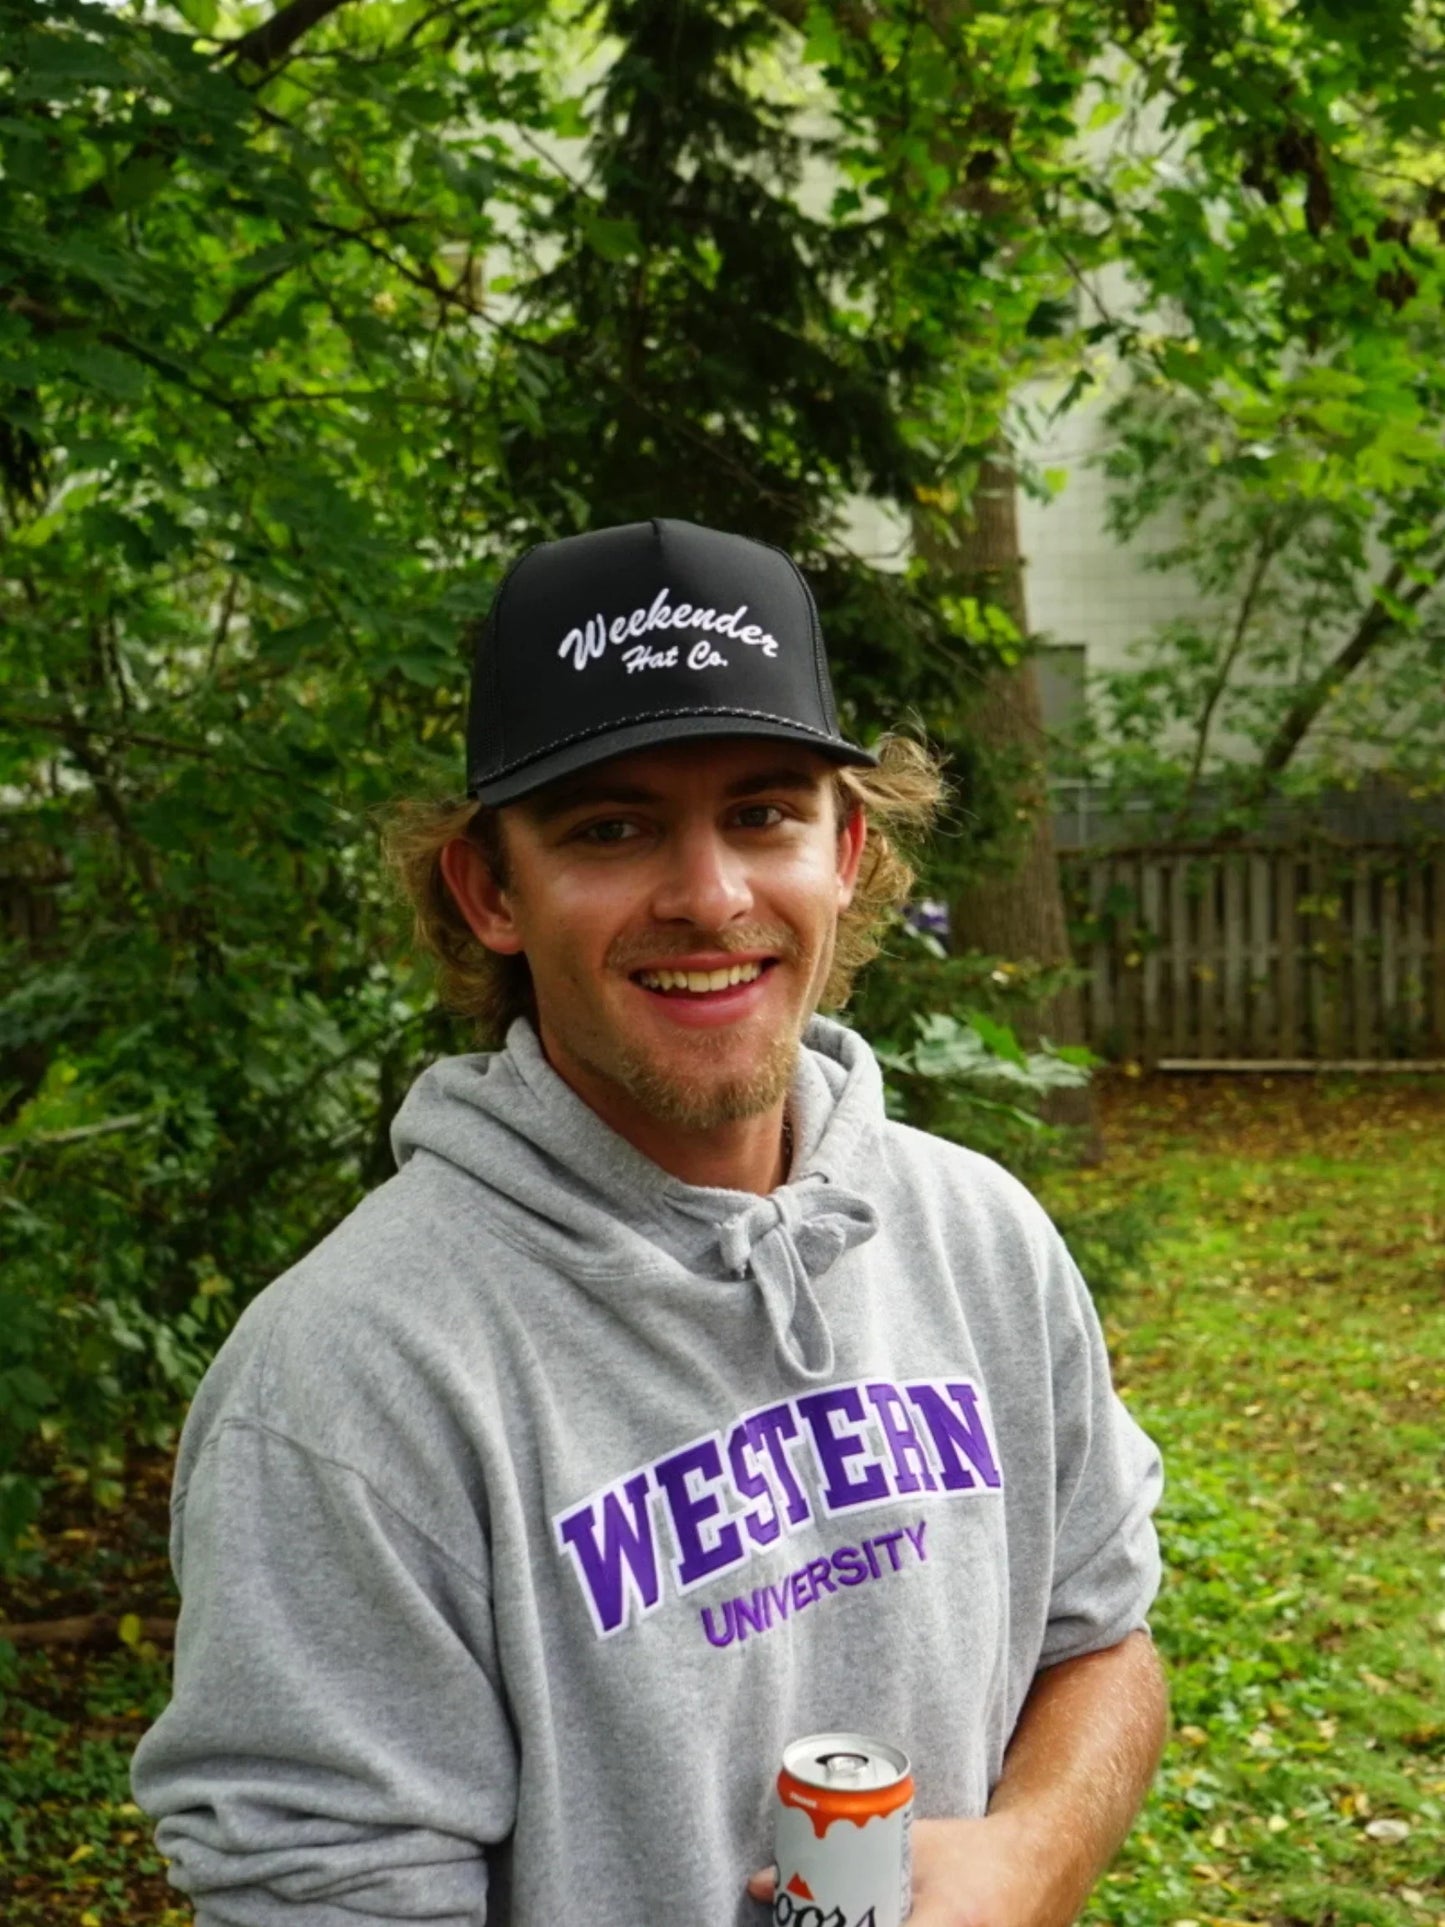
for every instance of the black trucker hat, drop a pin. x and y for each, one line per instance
(655, 632)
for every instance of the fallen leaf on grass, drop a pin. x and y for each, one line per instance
(1389, 1832)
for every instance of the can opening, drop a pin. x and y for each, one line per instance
(844, 1769)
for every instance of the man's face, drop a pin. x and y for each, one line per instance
(630, 884)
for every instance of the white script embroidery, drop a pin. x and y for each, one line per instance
(589, 643)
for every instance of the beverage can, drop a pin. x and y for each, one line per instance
(841, 1837)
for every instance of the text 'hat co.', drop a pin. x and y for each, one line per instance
(602, 644)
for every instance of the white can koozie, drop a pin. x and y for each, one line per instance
(841, 1837)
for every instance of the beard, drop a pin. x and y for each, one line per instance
(690, 1099)
(694, 1094)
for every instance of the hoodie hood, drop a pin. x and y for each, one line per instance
(565, 1185)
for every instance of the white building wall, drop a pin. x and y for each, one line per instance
(1081, 584)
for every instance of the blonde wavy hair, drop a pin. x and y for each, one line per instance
(900, 799)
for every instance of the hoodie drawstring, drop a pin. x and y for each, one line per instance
(788, 1239)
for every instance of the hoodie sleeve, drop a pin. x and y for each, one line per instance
(336, 1749)
(1107, 1484)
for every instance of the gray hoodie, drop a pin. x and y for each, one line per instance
(522, 1522)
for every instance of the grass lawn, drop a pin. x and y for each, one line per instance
(1287, 1349)
(1285, 1345)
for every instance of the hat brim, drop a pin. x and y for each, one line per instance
(602, 745)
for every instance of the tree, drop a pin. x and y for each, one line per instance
(1011, 905)
(245, 475)
(272, 415)
(1279, 415)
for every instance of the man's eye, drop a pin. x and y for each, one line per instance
(616, 829)
(759, 816)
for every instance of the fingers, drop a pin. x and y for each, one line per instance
(762, 1885)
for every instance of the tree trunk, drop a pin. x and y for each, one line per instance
(1018, 914)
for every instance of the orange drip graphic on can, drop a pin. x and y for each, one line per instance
(842, 1825)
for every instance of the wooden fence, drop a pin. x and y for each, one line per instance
(1262, 953)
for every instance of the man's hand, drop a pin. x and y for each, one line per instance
(966, 1873)
(1075, 1773)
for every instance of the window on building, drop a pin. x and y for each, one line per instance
(1060, 670)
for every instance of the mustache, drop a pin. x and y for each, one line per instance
(630, 953)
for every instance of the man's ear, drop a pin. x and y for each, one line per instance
(480, 898)
(852, 835)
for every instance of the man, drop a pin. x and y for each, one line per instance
(670, 1402)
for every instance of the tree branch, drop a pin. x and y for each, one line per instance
(48, 320)
(76, 732)
(223, 624)
(250, 291)
(1375, 627)
(263, 46)
(1268, 548)
(78, 736)
(73, 1136)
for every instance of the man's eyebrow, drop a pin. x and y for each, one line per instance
(786, 777)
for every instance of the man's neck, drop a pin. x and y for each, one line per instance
(747, 1154)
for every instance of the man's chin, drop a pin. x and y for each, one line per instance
(703, 1094)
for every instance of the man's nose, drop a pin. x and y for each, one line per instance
(703, 881)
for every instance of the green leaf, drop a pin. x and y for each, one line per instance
(22, 1383)
(997, 1037)
(139, 181)
(614, 240)
(201, 14)
(569, 118)
(1399, 611)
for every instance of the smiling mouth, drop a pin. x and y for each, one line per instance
(700, 983)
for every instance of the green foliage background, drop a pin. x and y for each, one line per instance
(310, 319)
(306, 338)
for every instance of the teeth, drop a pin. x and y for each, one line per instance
(699, 981)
